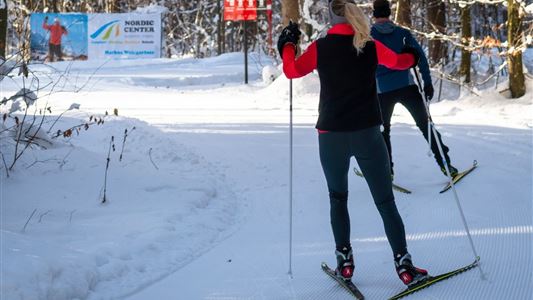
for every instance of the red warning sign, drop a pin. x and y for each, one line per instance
(240, 10)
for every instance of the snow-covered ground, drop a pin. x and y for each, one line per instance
(198, 206)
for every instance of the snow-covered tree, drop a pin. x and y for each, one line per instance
(3, 27)
(403, 12)
(516, 44)
(290, 10)
(466, 34)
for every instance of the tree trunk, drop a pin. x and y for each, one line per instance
(403, 13)
(436, 16)
(514, 55)
(290, 10)
(3, 28)
(112, 6)
(466, 32)
(54, 6)
(223, 33)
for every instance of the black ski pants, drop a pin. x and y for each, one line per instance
(368, 148)
(55, 50)
(409, 97)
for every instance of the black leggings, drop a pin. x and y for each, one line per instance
(367, 146)
(55, 50)
(412, 100)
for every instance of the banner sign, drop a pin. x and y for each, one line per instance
(124, 36)
(240, 10)
(264, 5)
(264, 10)
(57, 37)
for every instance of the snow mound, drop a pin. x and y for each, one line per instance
(309, 84)
(475, 109)
(270, 74)
(151, 9)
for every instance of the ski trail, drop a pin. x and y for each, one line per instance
(501, 227)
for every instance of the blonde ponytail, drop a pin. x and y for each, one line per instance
(360, 24)
(357, 18)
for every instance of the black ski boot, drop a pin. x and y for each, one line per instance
(453, 171)
(345, 265)
(409, 274)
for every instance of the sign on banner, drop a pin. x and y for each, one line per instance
(124, 36)
(264, 10)
(264, 5)
(240, 10)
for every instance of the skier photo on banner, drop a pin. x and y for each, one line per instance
(57, 31)
(349, 124)
(398, 86)
(58, 37)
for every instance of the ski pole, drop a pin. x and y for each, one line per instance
(456, 196)
(290, 178)
(429, 131)
(421, 91)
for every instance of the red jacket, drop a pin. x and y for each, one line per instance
(348, 92)
(307, 62)
(56, 32)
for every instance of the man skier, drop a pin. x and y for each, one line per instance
(398, 86)
(56, 33)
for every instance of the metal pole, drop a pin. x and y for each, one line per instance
(290, 177)
(219, 27)
(245, 53)
(429, 117)
(456, 196)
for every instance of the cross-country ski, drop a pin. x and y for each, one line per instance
(394, 185)
(347, 284)
(459, 176)
(434, 279)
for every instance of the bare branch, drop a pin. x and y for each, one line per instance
(111, 147)
(43, 214)
(150, 155)
(28, 221)
(124, 141)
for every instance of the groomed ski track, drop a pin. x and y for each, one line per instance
(253, 262)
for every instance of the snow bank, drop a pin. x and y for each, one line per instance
(309, 84)
(165, 207)
(161, 72)
(270, 73)
(474, 109)
(151, 9)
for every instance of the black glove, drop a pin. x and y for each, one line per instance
(290, 34)
(414, 52)
(46, 19)
(428, 91)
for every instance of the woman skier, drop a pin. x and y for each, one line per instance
(349, 123)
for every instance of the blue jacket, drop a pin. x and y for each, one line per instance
(394, 38)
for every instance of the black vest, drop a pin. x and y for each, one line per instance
(348, 95)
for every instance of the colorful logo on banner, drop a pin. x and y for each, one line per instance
(240, 10)
(107, 30)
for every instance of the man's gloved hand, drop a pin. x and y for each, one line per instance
(414, 52)
(429, 91)
(46, 19)
(290, 34)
